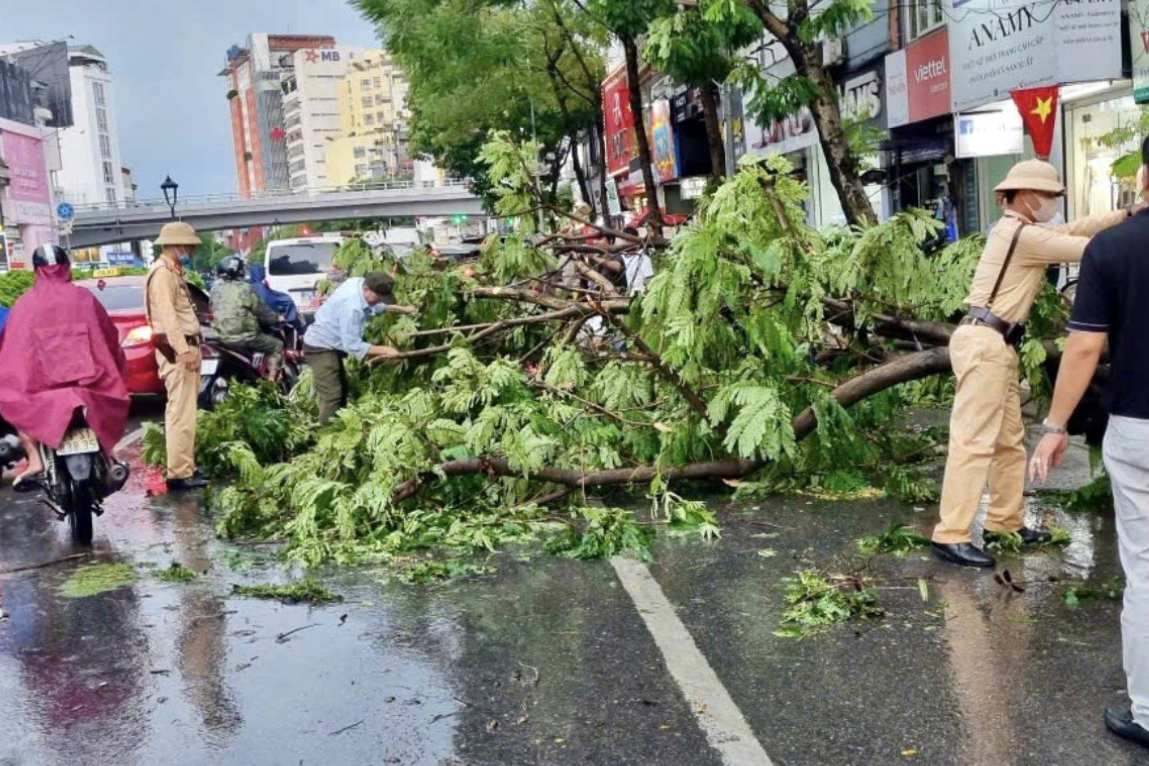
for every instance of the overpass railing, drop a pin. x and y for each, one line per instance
(210, 199)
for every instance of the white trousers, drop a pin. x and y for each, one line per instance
(1126, 452)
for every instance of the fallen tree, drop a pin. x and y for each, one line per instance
(762, 353)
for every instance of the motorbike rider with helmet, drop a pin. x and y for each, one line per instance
(239, 316)
(59, 353)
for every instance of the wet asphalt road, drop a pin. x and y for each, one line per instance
(548, 661)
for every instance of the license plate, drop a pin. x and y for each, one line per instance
(79, 442)
(208, 366)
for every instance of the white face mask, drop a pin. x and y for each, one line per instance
(1046, 211)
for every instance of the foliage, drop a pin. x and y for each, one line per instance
(97, 578)
(737, 315)
(1003, 542)
(1059, 537)
(302, 592)
(176, 573)
(898, 538)
(209, 253)
(252, 427)
(815, 601)
(693, 48)
(1097, 495)
(13, 284)
(1113, 590)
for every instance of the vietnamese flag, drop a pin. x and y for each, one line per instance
(1038, 107)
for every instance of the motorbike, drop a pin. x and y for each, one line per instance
(78, 477)
(223, 365)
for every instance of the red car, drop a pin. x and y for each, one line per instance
(123, 299)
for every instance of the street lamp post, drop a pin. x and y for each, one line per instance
(171, 194)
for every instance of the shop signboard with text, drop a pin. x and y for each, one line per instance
(662, 141)
(988, 134)
(1139, 47)
(618, 124)
(792, 133)
(918, 80)
(997, 46)
(28, 194)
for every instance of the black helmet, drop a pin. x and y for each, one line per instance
(231, 268)
(50, 255)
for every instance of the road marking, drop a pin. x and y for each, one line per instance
(130, 439)
(718, 717)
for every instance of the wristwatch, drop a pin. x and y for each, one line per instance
(1052, 428)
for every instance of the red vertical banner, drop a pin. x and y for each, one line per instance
(1038, 107)
(618, 123)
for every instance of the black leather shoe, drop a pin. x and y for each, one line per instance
(1028, 536)
(193, 482)
(963, 553)
(1120, 722)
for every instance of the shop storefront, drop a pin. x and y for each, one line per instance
(1103, 149)
(26, 199)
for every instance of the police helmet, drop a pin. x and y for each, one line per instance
(231, 268)
(50, 255)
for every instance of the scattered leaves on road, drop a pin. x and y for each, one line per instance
(302, 592)
(97, 578)
(177, 572)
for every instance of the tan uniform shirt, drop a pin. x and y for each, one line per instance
(1038, 248)
(170, 309)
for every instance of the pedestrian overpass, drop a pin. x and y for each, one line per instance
(95, 225)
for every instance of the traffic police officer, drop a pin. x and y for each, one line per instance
(176, 332)
(986, 441)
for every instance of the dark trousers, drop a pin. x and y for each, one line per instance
(330, 380)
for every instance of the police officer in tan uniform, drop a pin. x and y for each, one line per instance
(986, 442)
(177, 338)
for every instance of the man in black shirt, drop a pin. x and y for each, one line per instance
(1112, 304)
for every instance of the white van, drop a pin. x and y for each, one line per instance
(295, 266)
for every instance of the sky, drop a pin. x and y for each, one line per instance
(164, 56)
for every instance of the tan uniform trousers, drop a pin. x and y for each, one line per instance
(182, 385)
(987, 437)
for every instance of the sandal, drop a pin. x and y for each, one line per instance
(29, 482)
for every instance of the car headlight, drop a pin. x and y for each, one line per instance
(140, 336)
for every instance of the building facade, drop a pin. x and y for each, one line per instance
(255, 76)
(311, 111)
(90, 156)
(373, 120)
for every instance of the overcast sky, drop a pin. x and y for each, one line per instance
(164, 55)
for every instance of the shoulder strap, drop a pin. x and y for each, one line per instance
(1005, 265)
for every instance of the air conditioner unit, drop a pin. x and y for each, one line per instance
(833, 52)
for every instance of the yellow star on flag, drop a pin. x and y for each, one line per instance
(1043, 109)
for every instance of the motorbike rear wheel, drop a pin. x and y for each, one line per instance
(80, 512)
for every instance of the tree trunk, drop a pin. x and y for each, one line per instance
(713, 132)
(902, 369)
(633, 85)
(843, 164)
(599, 136)
(580, 173)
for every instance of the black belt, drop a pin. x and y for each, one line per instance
(1013, 332)
(315, 350)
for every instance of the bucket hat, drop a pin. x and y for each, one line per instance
(1032, 175)
(177, 233)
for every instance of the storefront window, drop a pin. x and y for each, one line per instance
(1104, 147)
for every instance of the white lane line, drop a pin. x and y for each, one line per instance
(130, 439)
(719, 718)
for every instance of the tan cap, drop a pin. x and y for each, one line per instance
(177, 233)
(1032, 175)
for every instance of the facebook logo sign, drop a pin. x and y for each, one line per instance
(965, 127)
